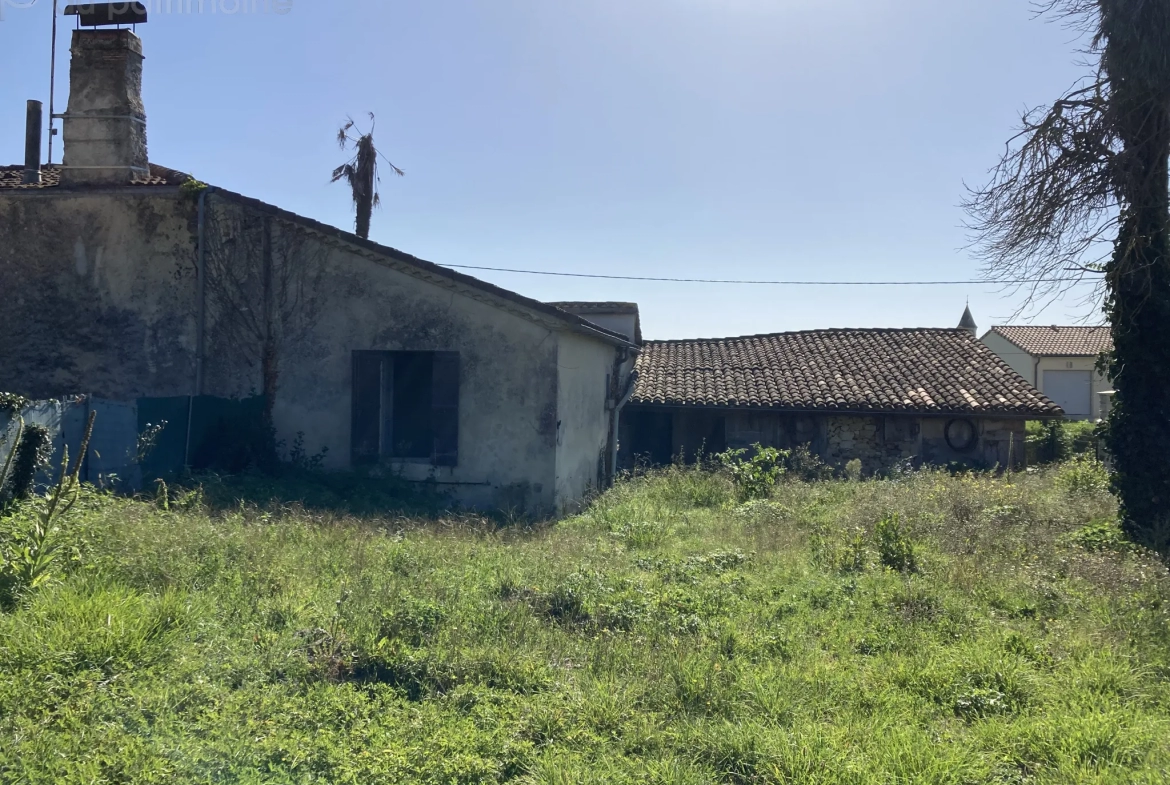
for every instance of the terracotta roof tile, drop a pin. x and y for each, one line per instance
(917, 370)
(1058, 341)
(12, 177)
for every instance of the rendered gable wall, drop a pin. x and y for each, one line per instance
(583, 420)
(101, 297)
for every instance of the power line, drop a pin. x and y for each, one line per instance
(759, 283)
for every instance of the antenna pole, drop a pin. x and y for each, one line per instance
(52, 83)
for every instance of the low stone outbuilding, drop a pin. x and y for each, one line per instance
(881, 396)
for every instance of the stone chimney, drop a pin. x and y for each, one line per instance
(105, 125)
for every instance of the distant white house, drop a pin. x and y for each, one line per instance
(1060, 362)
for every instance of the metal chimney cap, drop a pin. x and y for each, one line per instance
(107, 14)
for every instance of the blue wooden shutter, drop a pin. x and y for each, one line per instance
(445, 408)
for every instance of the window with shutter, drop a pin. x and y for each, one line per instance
(445, 408)
(406, 406)
(410, 414)
(367, 407)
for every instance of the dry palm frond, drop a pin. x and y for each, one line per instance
(361, 172)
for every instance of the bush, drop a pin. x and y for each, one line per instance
(31, 451)
(1083, 476)
(803, 464)
(1054, 441)
(754, 477)
(895, 548)
(842, 551)
(31, 550)
(1101, 535)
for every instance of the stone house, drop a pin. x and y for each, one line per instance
(1059, 361)
(882, 396)
(129, 281)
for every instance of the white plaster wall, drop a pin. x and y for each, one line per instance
(1097, 382)
(583, 420)
(1020, 361)
(1027, 366)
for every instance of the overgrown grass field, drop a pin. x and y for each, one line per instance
(931, 629)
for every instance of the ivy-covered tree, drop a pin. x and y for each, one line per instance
(1090, 173)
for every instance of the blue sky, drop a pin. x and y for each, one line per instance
(757, 139)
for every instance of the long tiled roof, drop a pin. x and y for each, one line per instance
(883, 370)
(1058, 341)
(12, 177)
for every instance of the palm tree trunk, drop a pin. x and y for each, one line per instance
(365, 211)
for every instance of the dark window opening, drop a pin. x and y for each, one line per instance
(406, 406)
(652, 436)
(411, 434)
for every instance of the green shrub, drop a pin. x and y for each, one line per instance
(895, 549)
(842, 551)
(754, 476)
(1101, 535)
(1083, 476)
(801, 463)
(1054, 441)
(31, 451)
(412, 620)
(31, 550)
(981, 702)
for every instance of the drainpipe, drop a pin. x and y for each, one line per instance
(615, 419)
(32, 144)
(201, 306)
(200, 313)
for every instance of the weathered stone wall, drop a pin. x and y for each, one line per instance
(880, 442)
(98, 293)
(774, 429)
(999, 442)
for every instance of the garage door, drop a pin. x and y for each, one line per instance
(1070, 390)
